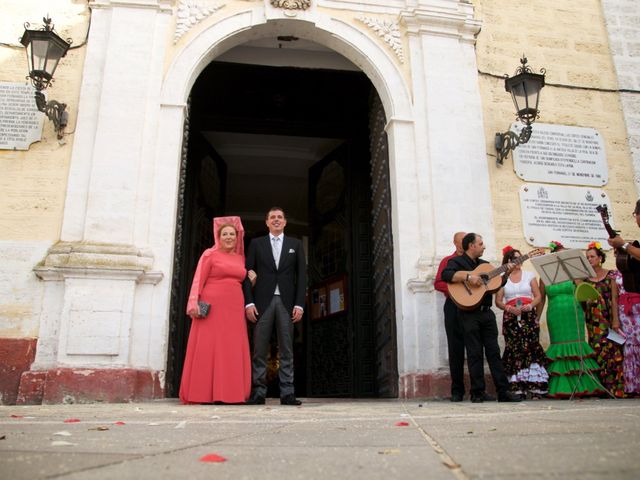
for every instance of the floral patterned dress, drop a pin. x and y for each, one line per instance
(629, 315)
(609, 354)
(523, 359)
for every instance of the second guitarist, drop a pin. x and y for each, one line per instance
(628, 247)
(479, 325)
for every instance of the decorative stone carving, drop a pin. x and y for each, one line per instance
(424, 282)
(77, 259)
(291, 4)
(191, 12)
(389, 31)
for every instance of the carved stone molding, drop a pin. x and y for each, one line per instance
(389, 31)
(453, 20)
(90, 260)
(426, 276)
(192, 12)
(291, 4)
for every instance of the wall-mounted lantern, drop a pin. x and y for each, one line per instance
(525, 88)
(44, 50)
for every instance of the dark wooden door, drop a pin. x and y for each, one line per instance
(339, 323)
(384, 311)
(201, 194)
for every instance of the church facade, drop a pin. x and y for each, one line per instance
(384, 113)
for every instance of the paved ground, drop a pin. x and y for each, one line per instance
(324, 439)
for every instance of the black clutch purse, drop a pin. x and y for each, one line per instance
(203, 308)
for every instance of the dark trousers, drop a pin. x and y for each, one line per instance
(455, 345)
(276, 314)
(481, 339)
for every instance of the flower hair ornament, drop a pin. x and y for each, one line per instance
(596, 245)
(507, 249)
(555, 245)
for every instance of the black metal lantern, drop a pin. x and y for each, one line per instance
(524, 88)
(44, 50)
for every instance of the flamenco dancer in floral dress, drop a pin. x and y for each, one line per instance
(629, 315)
(602, 315)
(524, 359)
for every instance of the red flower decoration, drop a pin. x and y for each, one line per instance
(506, 249)
(212, 457)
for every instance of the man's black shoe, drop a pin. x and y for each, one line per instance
(256, 400)
(483, 397)
(456, 397)
(509, 397)
(290, 400)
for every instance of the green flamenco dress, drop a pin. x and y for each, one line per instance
(568, 344)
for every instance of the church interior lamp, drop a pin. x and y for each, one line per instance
(44, 50)
(524, 88)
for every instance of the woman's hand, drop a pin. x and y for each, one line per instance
(615, 324)
(252, 277)
(193, 312)
(513, 310)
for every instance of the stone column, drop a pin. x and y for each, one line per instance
(98, 276)
(452, 170)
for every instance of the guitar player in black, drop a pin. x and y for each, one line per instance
(628, 247)
(479, 325)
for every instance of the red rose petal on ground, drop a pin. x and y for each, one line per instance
(402, 424)
(17, 416)
(212, 457)
(119, 423)
(72, 420)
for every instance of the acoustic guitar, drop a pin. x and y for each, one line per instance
(628, 266)
(468, 297)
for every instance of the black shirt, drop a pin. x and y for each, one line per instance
(465, 263)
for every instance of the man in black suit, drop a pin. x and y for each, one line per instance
(277, 298)
(479, 326)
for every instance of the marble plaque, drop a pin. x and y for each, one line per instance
(20, 121)
(566, 214)
(561, 154)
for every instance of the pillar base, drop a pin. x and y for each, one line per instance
(434, 385)
(84, 385)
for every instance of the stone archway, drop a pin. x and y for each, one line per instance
(195, 56)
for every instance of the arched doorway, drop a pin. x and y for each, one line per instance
(311, 140)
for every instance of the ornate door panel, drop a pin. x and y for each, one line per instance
(329, 330)
(200, 198)
(340, 352)
(382, 255)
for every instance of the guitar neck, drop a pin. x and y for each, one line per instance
(612, 233)
(503, 268)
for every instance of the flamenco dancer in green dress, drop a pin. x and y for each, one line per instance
(565, 321)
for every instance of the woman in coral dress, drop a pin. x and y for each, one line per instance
(217, 365)
(602, 315)
(565, 320)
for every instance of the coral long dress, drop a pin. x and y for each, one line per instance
(565, 321)
(217, 365)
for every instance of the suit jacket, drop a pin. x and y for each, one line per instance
(290, 275)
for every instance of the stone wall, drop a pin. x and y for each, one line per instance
(623, 26)
(581, 84)
(33, 182)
